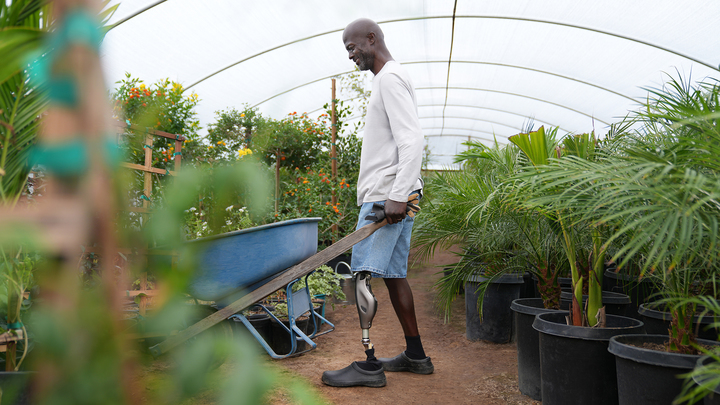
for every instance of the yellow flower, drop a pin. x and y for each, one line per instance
(249, 151)
(242, 115)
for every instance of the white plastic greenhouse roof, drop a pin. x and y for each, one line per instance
(481, 68)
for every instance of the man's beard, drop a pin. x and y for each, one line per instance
(365, 61)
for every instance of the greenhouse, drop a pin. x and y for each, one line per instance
(198, 201)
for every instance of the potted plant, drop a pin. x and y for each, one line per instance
(587, 329)
(656, 194)
(466, 208)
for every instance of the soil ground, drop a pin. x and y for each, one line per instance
(465, 372)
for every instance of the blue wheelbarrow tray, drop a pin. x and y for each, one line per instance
(232, 262)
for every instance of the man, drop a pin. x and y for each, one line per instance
(389, 173)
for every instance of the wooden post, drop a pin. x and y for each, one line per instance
(178, 150)
(147, 190)
(333, 156)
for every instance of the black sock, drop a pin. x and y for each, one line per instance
(414, 348)
(372, 363)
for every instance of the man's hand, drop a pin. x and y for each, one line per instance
(395, 211)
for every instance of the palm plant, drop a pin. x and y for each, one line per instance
(659, 195)
(582, 239)
(470, 208)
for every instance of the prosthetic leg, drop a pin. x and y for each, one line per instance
(366, 307)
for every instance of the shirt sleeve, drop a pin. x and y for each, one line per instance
(405, 128)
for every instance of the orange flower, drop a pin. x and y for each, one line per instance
(307, 189)
(327, 203)
(310, 210)
(144, 105)
(305, 181)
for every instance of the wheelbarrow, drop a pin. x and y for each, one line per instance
(243, 267)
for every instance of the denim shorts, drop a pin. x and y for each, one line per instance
(385, 252)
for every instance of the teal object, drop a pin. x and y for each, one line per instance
(235, 261)
(69, 159)
(78, 28)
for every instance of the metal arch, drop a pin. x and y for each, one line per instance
(470, 118)
(580, 27)
(514, 94)
(355, 117)
(459, 129)
(459, 105)
(532, 70)
(462, 16)
(463, 106)
(462, 129)
(135, 14)
(494, 109)
(470, 62)
(483, 138)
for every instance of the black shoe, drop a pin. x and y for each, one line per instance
(352, 376)
(402, 362)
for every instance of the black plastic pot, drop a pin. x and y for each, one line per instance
(528, 287)
(713, 398)
(261, 322)
(615, 303)
(649, 377)
(528, 340)
(639, 291)
(565, 283)
(497, 320)
(281, 343)
(335, 263)
(576, 367)
(658, 323)
(15, 387)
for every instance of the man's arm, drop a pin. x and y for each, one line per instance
(406, 131)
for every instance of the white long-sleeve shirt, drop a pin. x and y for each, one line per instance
(392, 147)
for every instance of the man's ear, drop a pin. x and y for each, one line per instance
(371, 38)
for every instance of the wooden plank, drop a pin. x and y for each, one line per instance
(280, 281)
(151, 131)
(149, 169)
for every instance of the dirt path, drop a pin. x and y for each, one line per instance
(465, 372)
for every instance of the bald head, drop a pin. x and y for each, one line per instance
(364, 27)
(365, 43)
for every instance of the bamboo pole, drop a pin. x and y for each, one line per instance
(333, 157)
